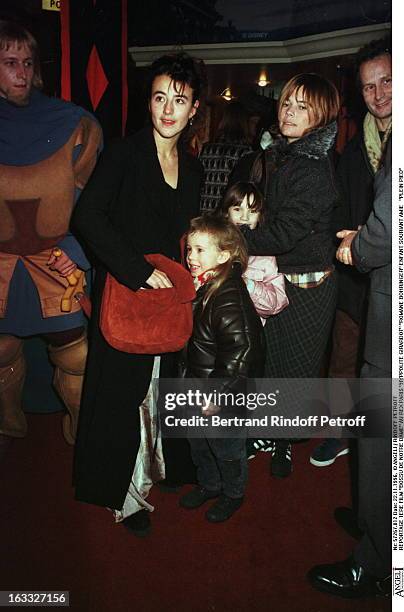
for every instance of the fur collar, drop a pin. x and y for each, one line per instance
(315, 145)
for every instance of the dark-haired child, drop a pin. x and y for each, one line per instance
(243, 204)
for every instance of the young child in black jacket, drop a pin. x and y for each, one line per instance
(227, 343)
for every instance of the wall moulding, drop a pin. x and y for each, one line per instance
(329, 44)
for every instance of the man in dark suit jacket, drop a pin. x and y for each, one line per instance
(356, 170)
(367, 571)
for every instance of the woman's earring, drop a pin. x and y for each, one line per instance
(191, 121)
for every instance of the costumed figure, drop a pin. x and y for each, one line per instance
(48, 149)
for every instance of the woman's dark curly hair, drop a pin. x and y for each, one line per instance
(182, 69)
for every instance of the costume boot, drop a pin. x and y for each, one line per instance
(70, 362)
(12, 375)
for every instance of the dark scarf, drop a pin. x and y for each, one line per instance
(32, 133)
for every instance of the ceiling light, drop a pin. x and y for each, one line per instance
(263, 81)
(227, 95)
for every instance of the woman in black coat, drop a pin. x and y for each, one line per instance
(140, 200)
(296, 175)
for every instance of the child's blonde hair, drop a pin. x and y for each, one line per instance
(227, 237)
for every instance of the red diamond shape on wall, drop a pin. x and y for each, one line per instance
(96, 79)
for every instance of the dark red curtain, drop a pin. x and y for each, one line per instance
(94, 59)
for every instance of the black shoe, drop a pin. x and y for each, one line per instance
(138, 524)
(347, 579)
(259, 445)
(346, 519)
(281, 463)
(250, 449)
(223, 509)
(197, 497)
(328, 451)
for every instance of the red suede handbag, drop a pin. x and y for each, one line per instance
(149, 321)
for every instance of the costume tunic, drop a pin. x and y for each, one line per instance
(48, 149)
(123, 214)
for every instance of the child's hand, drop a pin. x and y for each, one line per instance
(210, 410)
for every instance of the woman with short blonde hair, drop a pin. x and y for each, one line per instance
(296, 176)
(321, 96)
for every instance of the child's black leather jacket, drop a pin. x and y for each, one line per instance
(227, 341)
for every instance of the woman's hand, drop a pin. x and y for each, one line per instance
(159, 280)
(344, 252)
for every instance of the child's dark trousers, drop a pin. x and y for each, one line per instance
(221, 464)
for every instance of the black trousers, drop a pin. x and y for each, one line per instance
(373, 552)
